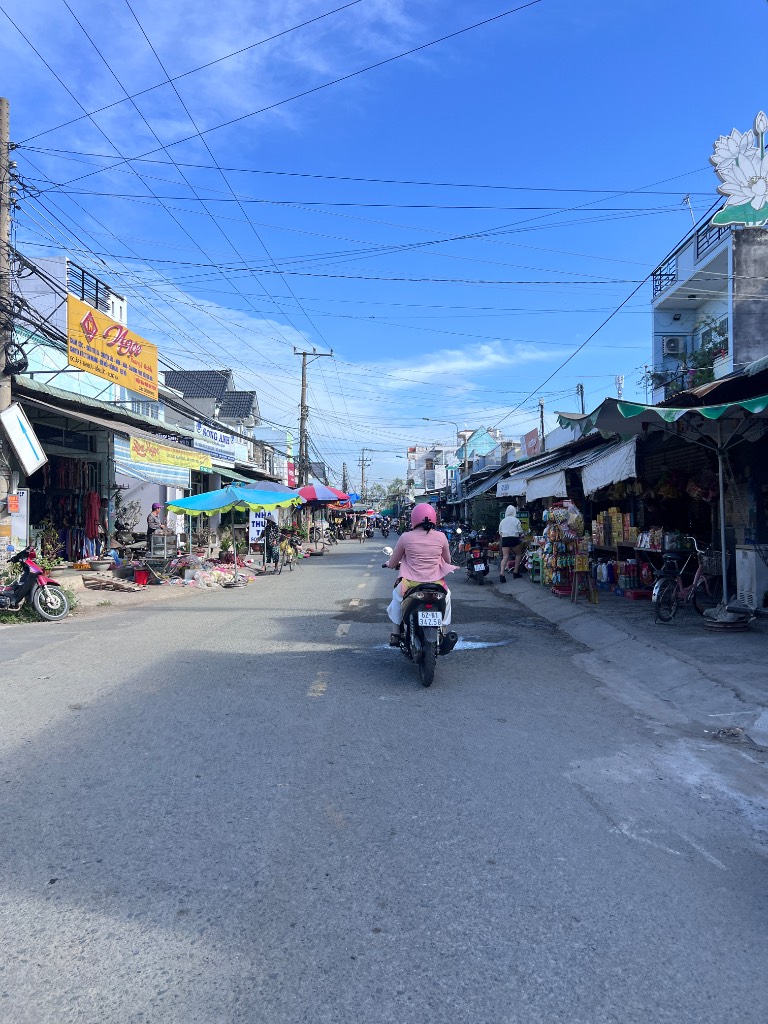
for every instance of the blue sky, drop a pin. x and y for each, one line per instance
(564, 136)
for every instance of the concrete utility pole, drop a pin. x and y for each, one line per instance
(580, 393)
(362, 463)
(6, 323)
(344, 478)
(541, 425)
(304, 411)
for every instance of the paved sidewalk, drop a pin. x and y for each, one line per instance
(707, 680)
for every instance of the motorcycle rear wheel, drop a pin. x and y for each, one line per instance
(427, 664)
(51, 604)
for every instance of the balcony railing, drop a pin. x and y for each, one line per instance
(664, 276)
(708, 237)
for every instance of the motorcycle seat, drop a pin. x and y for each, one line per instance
(437, 588)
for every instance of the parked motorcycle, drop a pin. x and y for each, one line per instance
(44, 594)
(477, 561)
(422, 638)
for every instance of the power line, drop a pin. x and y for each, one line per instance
(326, 85)
(354, 178)
(201, 67)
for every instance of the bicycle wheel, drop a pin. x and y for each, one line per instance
(708, 593)
(666, 602)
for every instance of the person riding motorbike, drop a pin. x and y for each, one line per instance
(423, 557)
(511, 534)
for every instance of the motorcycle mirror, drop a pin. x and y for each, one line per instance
(388, 552)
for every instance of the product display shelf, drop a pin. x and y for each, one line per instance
(625, 545)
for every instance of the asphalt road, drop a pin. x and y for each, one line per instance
(242, 807)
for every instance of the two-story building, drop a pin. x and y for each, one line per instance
(709, 302)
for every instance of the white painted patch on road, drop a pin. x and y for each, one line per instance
(361, 586)
(462, 645)
(343, 629)
(354, 602)
(366, 574)
(320, 685)
(476, 645)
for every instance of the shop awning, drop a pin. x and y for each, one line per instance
(113, 426)
(546, 478)
(618, 463)
(230, 474)
(488, 483)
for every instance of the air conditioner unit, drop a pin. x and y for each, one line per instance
(674, 346)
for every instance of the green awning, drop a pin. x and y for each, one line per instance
(628, 418)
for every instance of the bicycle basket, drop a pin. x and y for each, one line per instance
(712, 563)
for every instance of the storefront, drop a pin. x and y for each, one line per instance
(93, 459)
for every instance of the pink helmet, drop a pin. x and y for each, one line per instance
(422, 514)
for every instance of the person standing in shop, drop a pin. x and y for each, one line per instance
(154, 524)
(511, 534)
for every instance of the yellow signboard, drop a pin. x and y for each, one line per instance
(161, 455)
(100, 345)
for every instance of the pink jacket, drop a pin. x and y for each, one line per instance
(423, 556)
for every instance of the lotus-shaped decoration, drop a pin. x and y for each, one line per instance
(741, 164)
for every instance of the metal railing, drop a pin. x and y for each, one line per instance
(707, 237)
(664, 276)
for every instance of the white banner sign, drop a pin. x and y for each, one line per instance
(256, 525)
(214, 442)
(19, 518)
(23, 439)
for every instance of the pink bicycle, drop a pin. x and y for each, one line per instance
(705, 590)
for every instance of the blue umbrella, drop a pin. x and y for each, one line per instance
(235, 496)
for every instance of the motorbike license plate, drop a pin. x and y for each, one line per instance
(430, 618)
(480, 567)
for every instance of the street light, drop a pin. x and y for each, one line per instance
(432, 419)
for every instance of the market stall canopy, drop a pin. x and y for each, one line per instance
(235, 497)
(716, 427)
(629, 418)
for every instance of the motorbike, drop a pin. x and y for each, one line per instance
(384, 530)
(477, 561)
(422, 638)
(33, 586)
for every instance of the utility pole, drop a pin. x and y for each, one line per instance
(344, 478)
(541, 425)
(304, 411)
(362, 463)
(6, 322)
(580, 393)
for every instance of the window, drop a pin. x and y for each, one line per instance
(142, 408)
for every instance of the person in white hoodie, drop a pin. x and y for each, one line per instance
(511, 533)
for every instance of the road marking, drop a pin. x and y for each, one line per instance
(361, 586)
(320, 685)
(354, 602)
(366, 574)
(343, 629)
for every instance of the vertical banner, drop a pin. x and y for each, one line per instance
(18, 506)
(256, 525)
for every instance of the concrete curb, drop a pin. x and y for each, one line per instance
(641, 670)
